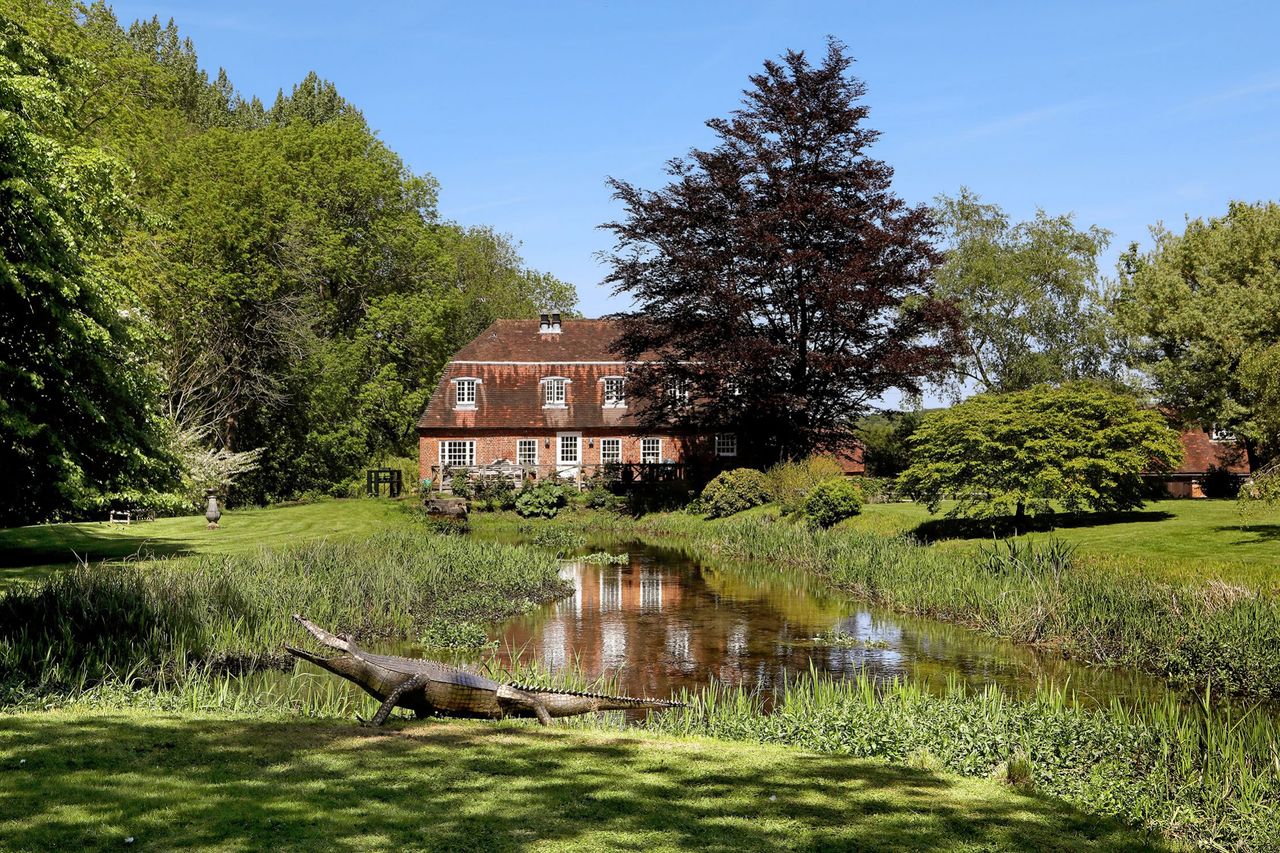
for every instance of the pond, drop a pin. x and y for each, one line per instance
(664, 621)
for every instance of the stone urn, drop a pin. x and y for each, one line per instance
(212, 513)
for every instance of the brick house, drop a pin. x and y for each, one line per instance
(1205, 453)
(551, 397)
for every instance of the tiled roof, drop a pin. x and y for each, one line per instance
(1200, 453)
(519, 340)
(511, 357)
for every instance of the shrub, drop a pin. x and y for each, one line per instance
(460, 486)
(832, 501)
(733, 491)
(540, 501)
(790, 482)
(494, 493)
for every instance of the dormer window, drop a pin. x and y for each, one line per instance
(464, 393)
(554, 393)
(678, 391)
(1221, 433)
(615, 394)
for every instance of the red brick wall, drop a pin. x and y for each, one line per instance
(492, 447)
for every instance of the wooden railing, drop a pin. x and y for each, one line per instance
(622, 474)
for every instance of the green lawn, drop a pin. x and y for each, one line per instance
(88, 781)
(1184, 539)
(28, 552)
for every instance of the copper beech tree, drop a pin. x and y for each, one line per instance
(779, 286)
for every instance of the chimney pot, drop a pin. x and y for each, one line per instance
(555, 322)
(544, 323)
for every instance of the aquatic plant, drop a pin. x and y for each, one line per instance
(1207, 774)
(232, 613)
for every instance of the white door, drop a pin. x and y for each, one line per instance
(568, 454)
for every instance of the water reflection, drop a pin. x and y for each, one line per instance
(665, 621)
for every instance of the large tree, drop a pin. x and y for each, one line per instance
(77, 418)
(1029, 294)
(1078, 446)
(1203, 308)
(779, 285)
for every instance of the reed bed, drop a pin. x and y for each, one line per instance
(1194, 635)
(155, 621)
(1206, 774)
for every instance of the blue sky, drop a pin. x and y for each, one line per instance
(1124, 113)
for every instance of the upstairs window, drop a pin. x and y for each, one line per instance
(554, 393)
(615, 395)
(1219, 433)
(678, 390)
(650, 450)
(726, 444)
(464, 393)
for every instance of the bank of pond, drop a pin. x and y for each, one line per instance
(768, 654)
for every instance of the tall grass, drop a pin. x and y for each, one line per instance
(232, 613)
(1209, 634)
(1207, 774)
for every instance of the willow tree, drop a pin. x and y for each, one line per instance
(779, 284)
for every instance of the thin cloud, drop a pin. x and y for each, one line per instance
(1022, 120)
(1245, 92)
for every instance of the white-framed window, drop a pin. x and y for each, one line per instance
(555, 393)
(615, 392)
(464, 393)
(1218, 433)
(457, 454)
(726, 444)
(650, 450)
(678, 390)
(610, 451)
(527, 451)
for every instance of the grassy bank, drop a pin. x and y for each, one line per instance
(1205, 775)
(232, 611)
(83, 780)
(1180, 540)
(1193, 634)
(28, 553)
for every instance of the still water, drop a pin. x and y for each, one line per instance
(664, 621)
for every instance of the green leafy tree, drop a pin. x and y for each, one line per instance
(886, 441)
(1029, 294)
(76, 397)
(1079, 445)
(1203, 310)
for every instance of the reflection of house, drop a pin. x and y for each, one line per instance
(1205, 455)
(550, 396)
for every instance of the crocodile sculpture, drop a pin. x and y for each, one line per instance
(427, 687)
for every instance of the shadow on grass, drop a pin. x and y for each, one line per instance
(90, 781)
(1003, 527)
(1254, 532)
(64, 545)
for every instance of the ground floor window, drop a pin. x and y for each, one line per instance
(610, 451)
(527, 451)
(457, 454)
(650, 450)
(726, 444)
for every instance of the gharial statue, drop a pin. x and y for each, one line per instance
(427, 687)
